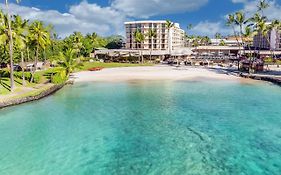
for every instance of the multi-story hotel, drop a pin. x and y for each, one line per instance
(274, 38)
(160, 42)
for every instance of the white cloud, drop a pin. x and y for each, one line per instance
(211, 28)
(90, 17)
(249, 7)
(83, 17)
(148, 8)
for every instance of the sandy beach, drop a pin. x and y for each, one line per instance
(152, 73)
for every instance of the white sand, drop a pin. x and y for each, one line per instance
(151, 73)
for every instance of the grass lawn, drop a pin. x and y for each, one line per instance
(46, 76)
(5, 85)
(88, 65)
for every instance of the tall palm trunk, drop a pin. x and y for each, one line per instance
(22, 64)
(35, 62)
(169, 42)
(27, 50)
(10, 48)
(239, 45)
(150, 57)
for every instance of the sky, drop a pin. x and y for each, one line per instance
(107, 17)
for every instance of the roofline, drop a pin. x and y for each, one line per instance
(148, 21)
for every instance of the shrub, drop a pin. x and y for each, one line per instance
(59, 78)
(27, 76)
(4, 73)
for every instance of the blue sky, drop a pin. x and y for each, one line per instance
(106, 17)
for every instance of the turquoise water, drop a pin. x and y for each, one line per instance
(196, 128)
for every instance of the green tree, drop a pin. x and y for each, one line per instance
(218, 36)
(169, 26)
(240, 20)
(69, 61)
(139, 39)
(20, 30)
(263, 4)
(40, 38)
(222, 43)
(231, 23)
(152, 33)
(10, 36)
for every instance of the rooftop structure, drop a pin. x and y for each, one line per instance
(162, 39)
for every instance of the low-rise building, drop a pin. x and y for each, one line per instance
(272, 41)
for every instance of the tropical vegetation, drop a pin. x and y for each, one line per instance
(25, 43)
(258, 24)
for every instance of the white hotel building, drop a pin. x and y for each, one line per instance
(160, 42)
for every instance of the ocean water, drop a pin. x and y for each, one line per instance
(141, 128)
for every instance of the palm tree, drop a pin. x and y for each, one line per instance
(222, 43)
(40, 37)
(248, 34)
(77, 42)
(218, 36)
(169, 25)
(20, 27)
(263, 4)
(139, 38)
(152, 33)
(10, 44)
(240, 20)
(231, 22)
(68, 61)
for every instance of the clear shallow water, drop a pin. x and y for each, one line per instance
(157, 128)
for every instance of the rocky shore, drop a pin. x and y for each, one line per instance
(29, 98)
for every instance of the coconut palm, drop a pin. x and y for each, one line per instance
(231, 23)
(218, 36)
(240, 20)
(20, 30)
(139, 39)
(68, 61)
(40, 38)
(248, 34)
(10, 44)
(263, 4)
(169, 26)
(152, 33)
(222, 43)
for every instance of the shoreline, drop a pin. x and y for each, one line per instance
(135, 74)
(156, 73)
(40, 94)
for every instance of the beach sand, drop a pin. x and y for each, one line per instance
(152, 73)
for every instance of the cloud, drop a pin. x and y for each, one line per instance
(83, 17)
(249, 7)
(148, 8)
(90, 17)
(207, 28)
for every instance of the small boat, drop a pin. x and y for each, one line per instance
(95, 69)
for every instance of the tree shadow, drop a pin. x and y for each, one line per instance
(4, 84)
